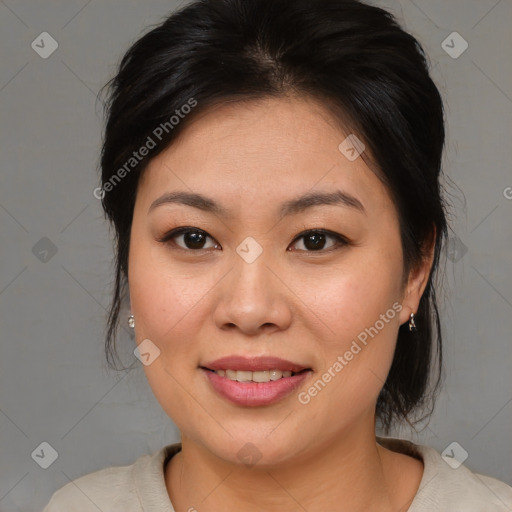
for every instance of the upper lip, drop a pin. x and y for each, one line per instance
(254, 364)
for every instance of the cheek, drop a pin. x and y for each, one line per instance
(360, 305)
(353, 297)
(164, 295)
(167, 303)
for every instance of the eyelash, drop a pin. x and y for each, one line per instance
(341, 241)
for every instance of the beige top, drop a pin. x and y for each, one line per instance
(141, 486)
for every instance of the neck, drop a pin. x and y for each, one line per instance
(353, 472)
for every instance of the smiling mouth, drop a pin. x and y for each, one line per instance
(256, 376)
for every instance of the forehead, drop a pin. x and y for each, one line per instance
(273, 149)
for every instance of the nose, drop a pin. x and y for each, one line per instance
(253, 299)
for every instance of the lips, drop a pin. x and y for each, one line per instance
(254, 364)
(254, 381)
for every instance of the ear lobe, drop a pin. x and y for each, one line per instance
(418, 279)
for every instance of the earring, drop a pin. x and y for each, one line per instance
(131, 321)
(412, 325)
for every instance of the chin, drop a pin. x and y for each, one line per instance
(255, 449)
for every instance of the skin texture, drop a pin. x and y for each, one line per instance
(292, 302)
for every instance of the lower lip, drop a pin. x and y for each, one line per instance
(253, 394)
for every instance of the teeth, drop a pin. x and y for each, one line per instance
(259, 376)
(242, 376)
(230, 374)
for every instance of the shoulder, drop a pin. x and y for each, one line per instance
(98, 490)
(449, 486)
(455, 487)
(128, 488)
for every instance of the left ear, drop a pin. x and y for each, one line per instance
(418, 279)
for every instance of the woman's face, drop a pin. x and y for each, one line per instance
(245, 282)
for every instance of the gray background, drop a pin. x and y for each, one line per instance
(54, 383)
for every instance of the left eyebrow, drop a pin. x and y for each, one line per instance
(309, 200)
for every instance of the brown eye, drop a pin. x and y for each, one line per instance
(188, 239)
(315, 240)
